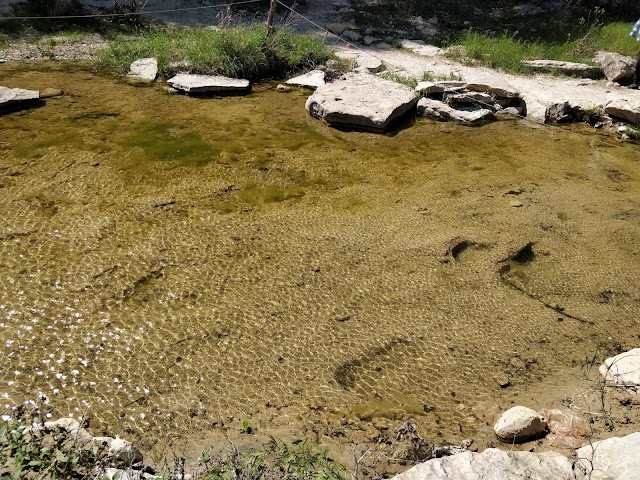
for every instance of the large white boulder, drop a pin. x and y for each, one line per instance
(519, 424)
(616, 67)
(493, 464)
(625, 108)
(11, 98)
(568, 68)
(361, 101)
(143, 70)
(428, 107)
(616, 458)
(202, 84)
(623, 369)
(312, 79)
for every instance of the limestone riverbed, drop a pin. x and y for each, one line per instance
(173, 265)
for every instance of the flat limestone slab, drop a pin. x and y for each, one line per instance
(616, 458)
(14, 98)
(493, 464)
(312, 79)
(361, 101)
(568, 68)
(626, 108)
(143, 70)
(202, 84)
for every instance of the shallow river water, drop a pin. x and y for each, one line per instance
(169, 264)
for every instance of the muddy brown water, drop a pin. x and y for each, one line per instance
(171, 264)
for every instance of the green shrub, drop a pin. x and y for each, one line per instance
(240, 52)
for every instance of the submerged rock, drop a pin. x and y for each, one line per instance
(15, 98)
(441, 111)
(203, 84)
(623, 369)
(144, 70)
(520, 424)
(361, 101)
(493, 464)
(312, 79)
(616, 458)
(568, 68)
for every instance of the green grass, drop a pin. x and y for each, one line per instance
(277, 461)
(406, 80)
(507, 52)
(240, 52)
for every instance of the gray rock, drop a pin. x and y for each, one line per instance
(312, 79)
(51, 92)
(337, 28)
(520, 424)
(451, 86)
(11, 98)
(492, 85)
(615, 458)
(626, 109)
(568, 68)
(117, 474)
(369, 40)
(144, 70)
(361, 101)
(427, 88)
(547, 111)
(509, 112)
(119, 451)
(368, 31)
(623, 369)
(616, 67)
(421, 48)
(351, 35)
(189, 83)
(472, 97)
(441, 111)
(493, 464)
(73, 428)
(389, 39)
(371, 63)
(283, 88)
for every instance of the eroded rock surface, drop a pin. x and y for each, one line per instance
(438, 110)
(144, 70)
(625, 108)
(15, 98)
(493, 464)
(208, 84)
(312, 79)
(616, 67)
(616, 458)
(568, 68)
(361, 101)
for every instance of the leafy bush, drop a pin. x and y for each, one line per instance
(240, 52)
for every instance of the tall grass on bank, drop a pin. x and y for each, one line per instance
(240, 51)
(508, 51)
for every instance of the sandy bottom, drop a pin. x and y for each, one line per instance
(171, 266)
